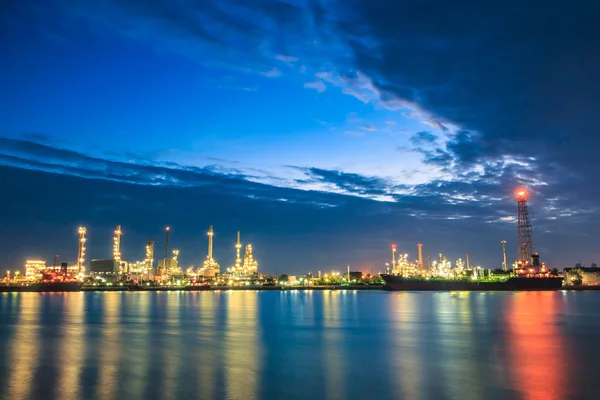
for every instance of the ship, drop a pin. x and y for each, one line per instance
(510, 283)
(51, 281)
(44, 286)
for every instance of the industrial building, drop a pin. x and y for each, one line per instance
(210, 267)
(34, 269)
(587, 276)
(102, 268)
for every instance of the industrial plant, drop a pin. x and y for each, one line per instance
(402, 273)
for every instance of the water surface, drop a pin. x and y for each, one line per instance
(308, 345)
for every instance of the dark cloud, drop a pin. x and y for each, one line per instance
(349, 182)
(354, 230)
(523, 77)
(423, 137)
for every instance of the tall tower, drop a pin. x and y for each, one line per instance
(526, 251)
(210, 266)
(504, 264)
(175, 259)
(117, 244)
(149, 261)
(420, 252)
(81, 252)
(250, 264)
(238, 256)
(393, 257)
(210, 243)
(167, 230)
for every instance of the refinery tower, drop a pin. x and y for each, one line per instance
(528, 260)
(210, 267)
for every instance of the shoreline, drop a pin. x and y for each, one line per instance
(17, 289)
(226, 288)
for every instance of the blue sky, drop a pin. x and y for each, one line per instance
(370, 107)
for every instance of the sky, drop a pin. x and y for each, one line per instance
(324, 130)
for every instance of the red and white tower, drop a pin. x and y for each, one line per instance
(527, 258)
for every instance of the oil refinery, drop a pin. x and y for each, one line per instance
(402, 273)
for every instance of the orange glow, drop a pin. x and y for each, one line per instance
(521, 194)
(536, 358)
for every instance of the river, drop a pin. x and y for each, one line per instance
(300, 345)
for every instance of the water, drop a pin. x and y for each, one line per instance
(305, 345)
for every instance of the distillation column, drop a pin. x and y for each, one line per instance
(504, 264)
(81, 252)
(420, 252)
(117, 244)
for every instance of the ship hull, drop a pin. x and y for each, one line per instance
(41, 287)
(393, 282)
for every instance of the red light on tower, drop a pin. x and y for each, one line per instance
(393, 245)
(521, 194)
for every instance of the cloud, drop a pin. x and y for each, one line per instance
(369, 128)
(286, 59)
(272, 73)
(437, 125)
(319, 86)
(423, 138)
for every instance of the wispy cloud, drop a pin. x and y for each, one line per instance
(272, 73)
(286, 59)
(319, 86)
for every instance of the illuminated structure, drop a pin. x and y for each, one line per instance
(34, 269)
(394, 258)
(526, 247)
(238, 258)
(149, 260)
(174, 260)
(167, 230)
(250, 264)
(210, 267)
(420, 252)
(528, 260)
(164, 265)
(81, 251)
(117, 244)
(504, 263)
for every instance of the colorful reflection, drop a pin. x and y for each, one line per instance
(25, 346)
(538, 365)
(333, 354)
(408, 341)
(71, 344)
(242, 353)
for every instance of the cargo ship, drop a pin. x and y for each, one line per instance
(509, 283)
(51, 281)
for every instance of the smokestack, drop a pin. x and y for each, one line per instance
(167, 242)
(420, 251)
(210, 242)
(504, 265)
(468, 264)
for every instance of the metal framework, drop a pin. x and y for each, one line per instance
(81, 251)
(117, 244)
(526, 246)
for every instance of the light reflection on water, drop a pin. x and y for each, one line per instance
(334, 345)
